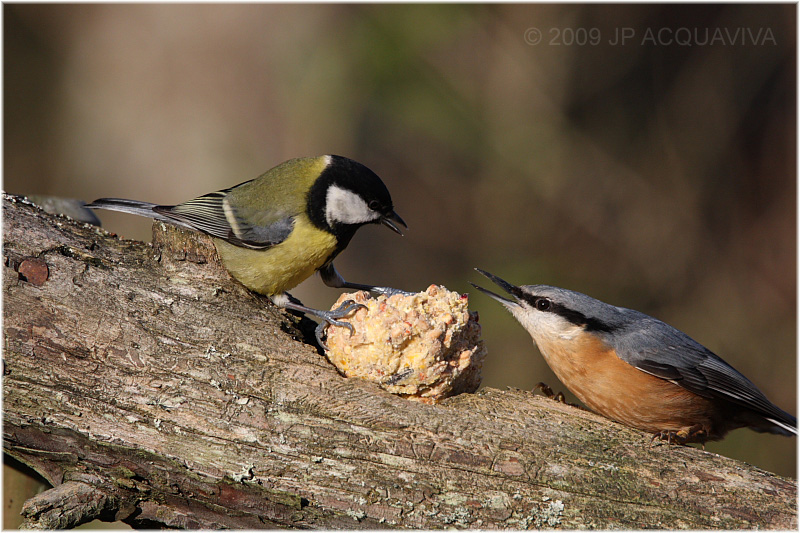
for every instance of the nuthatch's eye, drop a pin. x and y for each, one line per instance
(542, 304)
(374, 205)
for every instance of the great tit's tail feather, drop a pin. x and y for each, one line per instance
(134, 207)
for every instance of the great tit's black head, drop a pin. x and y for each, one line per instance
(546, 310)
(348, 195)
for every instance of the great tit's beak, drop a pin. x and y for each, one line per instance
(509, 288)
(391, 220)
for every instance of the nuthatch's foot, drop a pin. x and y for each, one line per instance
(330, 318)
(548, 392)
(696, 433)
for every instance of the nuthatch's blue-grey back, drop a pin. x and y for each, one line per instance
(637, 370)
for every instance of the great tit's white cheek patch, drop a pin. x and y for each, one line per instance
(346, 207)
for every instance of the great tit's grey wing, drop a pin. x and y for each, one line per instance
(663, 351)
(215, 215)
(205, 214)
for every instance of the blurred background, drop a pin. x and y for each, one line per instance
(656, 172)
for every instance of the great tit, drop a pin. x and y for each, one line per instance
(276, 230)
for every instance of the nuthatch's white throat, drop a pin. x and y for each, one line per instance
(637, 370)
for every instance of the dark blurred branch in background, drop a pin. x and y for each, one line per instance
(146, 386)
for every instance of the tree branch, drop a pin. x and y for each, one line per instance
(148, 386)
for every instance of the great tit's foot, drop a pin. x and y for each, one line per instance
(389, 291)
(330, 318)
(335, 280)
(548, 392)
(696, 433)
(394, 379)
(290, 303)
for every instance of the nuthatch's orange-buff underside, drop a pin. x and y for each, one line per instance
(637, 370)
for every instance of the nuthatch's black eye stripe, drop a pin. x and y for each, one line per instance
(546, 305)
(516, 292)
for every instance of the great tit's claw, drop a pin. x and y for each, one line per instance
(389, 291)
(347, 307)
(394, 379)
(386, 291)
(329, 318)
(319, 332)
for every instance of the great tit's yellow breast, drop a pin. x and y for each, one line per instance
(283, 266)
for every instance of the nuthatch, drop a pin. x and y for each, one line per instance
(637, 370)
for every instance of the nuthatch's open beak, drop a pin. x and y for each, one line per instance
(391, 220)
(509, 288)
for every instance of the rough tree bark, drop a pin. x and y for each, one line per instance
(147, 386)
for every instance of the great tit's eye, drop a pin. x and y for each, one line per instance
(542, 304)
(374, 205)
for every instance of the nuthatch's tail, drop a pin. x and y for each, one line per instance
(785, 424)
(144, 209)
